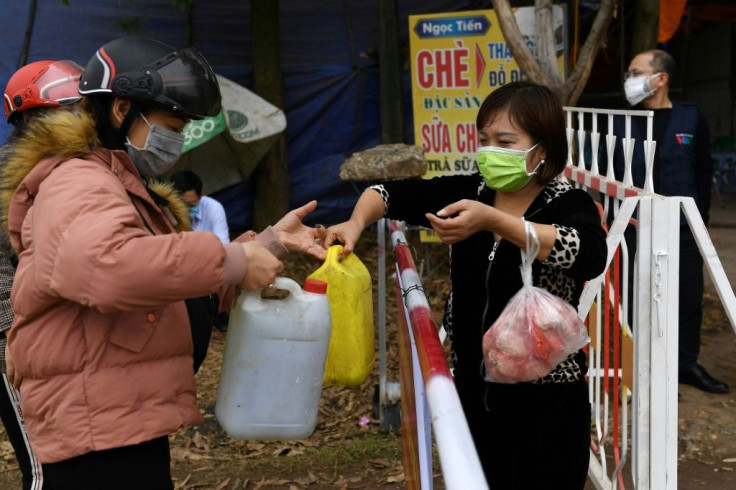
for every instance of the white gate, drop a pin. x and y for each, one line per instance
(637, 362)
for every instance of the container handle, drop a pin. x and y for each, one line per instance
(333, 255)
(289, 285)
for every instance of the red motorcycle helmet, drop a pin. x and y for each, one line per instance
(44, 83)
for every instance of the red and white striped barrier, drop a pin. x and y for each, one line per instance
(461, 468)
(601, 183)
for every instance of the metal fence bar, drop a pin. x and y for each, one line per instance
(661, 241)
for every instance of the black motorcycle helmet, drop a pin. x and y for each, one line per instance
(150, 74)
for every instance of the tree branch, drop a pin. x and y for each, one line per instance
(575, 83)
(528, 65)
(546, 71)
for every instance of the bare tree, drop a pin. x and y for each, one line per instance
(545, 70)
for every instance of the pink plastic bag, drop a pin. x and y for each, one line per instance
(535, 331)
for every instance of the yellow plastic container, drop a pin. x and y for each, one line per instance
(351, 353)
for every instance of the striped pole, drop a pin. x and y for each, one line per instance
(461, 467)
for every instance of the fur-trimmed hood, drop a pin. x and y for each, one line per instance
(56, 134)
(53, 138)
(174, 207)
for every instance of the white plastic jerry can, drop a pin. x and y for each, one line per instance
(274, 363)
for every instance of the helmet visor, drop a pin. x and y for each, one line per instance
(59, 83)
(190, 85)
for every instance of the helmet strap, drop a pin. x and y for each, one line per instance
(111, 137)
(135, 110)
(108, 134)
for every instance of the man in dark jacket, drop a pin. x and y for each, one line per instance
(682, 167)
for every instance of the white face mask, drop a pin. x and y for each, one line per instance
(160, 152)
(638, 89)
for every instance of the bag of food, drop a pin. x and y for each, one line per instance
(535, 331)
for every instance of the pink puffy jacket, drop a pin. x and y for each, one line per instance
(101, 336)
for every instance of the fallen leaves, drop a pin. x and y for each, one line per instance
(396, 478)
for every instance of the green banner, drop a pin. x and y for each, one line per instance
(198, 132)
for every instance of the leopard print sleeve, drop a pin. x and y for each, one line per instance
(565, 372)
(566, 248)
(384, 195)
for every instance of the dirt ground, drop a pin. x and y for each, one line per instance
(349, 451)
(707, 422)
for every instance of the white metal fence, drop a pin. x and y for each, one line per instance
(633, 369)
(640, 361)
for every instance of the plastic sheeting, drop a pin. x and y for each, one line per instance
(328, 57)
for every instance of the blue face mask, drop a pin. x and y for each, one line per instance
(195, 210)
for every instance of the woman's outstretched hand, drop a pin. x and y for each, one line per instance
(459, 220)
(346, 233)
(298, 237)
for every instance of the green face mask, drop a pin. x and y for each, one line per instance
(504, 169)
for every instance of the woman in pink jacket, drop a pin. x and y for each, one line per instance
(101, 338)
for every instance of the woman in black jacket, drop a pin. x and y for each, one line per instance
(528, 435)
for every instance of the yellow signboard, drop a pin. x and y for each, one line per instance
(457, 59)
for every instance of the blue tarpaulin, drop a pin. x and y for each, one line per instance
(329, 53)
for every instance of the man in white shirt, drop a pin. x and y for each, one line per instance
(207, 214)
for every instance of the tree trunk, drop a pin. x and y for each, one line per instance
(392, 123)
(28, 33)
(646, 26)
(546, 72)
(271, 176)
(545, 40)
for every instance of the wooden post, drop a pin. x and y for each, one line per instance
(271, 176)
(392, 120)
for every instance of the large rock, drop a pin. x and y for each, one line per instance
(385, 162)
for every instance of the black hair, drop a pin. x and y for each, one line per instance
(537, 110)
(186, 180)
(662, 61)
(112, 138)
(19, 120)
